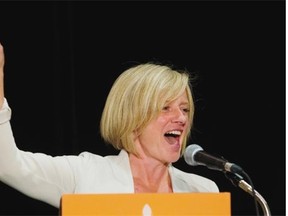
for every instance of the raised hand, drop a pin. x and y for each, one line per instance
(2, 60)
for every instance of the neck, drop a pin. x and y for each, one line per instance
(150, 175)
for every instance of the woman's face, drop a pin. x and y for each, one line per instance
(162, 139)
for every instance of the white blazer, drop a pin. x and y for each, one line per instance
(47, 178)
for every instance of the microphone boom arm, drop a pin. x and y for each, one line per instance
(237, 180)
(247, 188)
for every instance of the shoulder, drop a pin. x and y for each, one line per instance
(96, 158)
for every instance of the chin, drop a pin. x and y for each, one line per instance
(175, 158)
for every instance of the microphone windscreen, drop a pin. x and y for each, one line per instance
(190, 152)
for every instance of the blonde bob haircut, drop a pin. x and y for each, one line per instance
(137, 96)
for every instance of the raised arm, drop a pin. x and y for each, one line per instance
(37, 175)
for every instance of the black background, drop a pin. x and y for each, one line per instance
(62, 58)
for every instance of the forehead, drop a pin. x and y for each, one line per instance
(183, 99)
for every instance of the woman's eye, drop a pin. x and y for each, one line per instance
(165, 107)
(186, 110)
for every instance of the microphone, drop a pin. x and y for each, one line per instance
(195, 155)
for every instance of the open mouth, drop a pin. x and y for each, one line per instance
(173, 137)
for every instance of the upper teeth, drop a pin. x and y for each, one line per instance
(174, 132)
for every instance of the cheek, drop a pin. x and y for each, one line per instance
(161, 120)
(154, 129)
(157, 125)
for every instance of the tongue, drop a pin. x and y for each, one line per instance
(171, 140)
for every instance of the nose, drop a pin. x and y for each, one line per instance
(179, 116)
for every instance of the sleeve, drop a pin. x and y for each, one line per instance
(36, 175)
(5, 112)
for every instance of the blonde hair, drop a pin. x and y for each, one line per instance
(136, 97)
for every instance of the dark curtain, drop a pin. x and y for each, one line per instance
(63, 56)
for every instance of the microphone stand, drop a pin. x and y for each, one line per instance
(237, 180)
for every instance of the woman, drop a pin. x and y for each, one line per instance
(148, 116)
